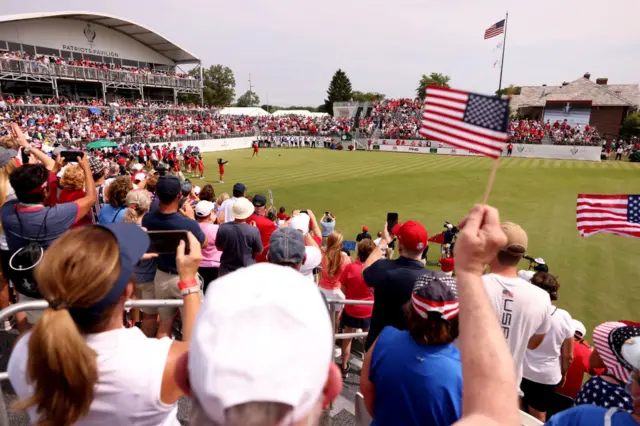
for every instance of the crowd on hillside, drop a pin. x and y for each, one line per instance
(90, 234)
(398, 119)
(86, 63)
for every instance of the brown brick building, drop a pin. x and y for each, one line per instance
(583, 101)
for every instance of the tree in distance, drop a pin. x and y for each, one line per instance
(433, 79)
(366, 96)
(248, 99)
(339, 90)
(219, 86)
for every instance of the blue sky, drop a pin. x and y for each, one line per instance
(293, 47)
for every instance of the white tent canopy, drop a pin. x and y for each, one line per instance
(303, 112)
(248, 111)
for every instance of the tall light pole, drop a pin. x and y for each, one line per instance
(250, 91)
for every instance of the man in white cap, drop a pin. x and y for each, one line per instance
(261, 306)
(313, 255)
(239, 242)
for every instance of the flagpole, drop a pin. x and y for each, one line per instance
(504, 45)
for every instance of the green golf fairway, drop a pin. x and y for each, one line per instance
(598, 275)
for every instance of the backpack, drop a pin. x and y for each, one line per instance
(23, 261)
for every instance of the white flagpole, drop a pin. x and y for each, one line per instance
(504, 45)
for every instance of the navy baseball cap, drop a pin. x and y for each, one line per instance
(239, 187)
(259, 200)
(133, 243)
(168, 186)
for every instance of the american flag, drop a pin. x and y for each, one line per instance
(465, 120)
(494, 30)
(610, 214)
(601, 340)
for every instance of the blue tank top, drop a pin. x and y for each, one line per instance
(415, 384)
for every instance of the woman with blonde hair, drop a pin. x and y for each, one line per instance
(334, 260)
(75, 366)
(221, 199)
(116, 194)
(72, 183)
(138, 204)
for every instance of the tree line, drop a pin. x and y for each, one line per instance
(219, 90)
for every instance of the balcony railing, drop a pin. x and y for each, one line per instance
(83, 73)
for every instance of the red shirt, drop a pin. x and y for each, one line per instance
(580, 365)
(356, 289)
(283, 216)
(67, 196)
(221, 168)
(266, 228)
(53, 190)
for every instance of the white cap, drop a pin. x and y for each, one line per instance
(137, 167)
(526, 275)
(204, 208)
(631, 352)
(579, 327)
(449, 226)
(196, 190)
(261, 306)
(300, 223)
(242, 209)
(139, 177)
(539, 261)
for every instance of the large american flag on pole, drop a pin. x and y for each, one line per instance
(465, 120)
(609, 214)
(494, 30)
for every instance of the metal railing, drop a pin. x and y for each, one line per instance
(23, 67)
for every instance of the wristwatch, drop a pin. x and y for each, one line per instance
(188, 286)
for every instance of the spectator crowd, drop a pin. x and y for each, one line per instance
(458, 346)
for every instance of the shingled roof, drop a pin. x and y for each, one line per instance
(581, 89)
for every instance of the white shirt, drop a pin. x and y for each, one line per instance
(226, 209)
(314, 257)
(523, 310)
(542, 365)
(384, 250)
(130, 370)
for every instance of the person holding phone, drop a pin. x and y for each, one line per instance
(27, 219)
(168, 217)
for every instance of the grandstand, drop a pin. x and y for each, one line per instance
(82, 55)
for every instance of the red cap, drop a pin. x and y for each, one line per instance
(411, 234)
(446, 264)
(364, 228)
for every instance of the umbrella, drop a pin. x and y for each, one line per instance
(102, 143)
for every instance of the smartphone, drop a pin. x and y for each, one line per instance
(25, 156)
(71, 156)
(166, 242)
(392, 220)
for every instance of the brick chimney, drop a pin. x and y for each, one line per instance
(587, 75)
(602, 81)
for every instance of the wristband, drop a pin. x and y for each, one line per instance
(185, 284)
(189, 290)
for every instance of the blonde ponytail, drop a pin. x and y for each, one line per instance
(59, 354)
(76, 271)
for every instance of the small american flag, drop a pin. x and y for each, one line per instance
(465, 120)
(494, 30)
(610, 214)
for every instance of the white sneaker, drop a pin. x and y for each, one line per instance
(337, 352)
(7, 325)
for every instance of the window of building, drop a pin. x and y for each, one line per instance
(27, 48)
(66, 54)
(129, 63)
(94, 58)
(14, 47)
(47, 51)
(3, 45)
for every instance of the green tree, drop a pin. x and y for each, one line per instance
(435, 79)
(366, 96)
(248, 99)
(339, 90)
(631, 125)
(219, 85)
(505, 90)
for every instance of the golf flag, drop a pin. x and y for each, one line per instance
(609, 214)
(494, 30)
(465, 120)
